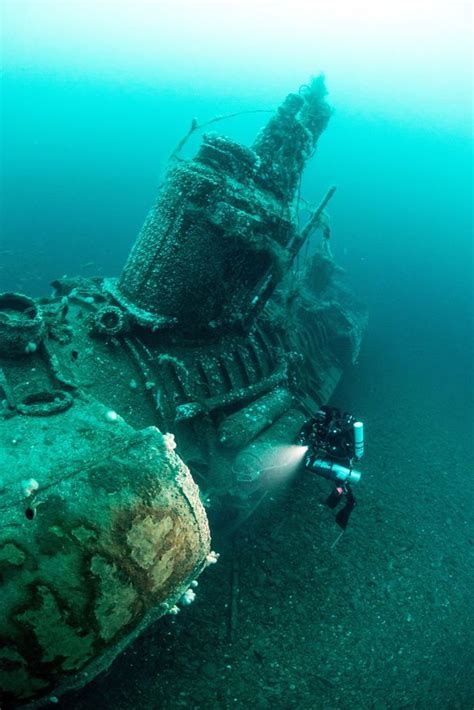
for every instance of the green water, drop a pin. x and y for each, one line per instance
(382, 619)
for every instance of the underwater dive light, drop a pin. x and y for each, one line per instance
(358, 439)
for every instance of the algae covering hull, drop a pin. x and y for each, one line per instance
(102, 531)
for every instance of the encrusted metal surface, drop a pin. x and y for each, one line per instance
(101, 527)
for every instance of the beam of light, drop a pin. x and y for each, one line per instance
(276, 464)
(287, 462)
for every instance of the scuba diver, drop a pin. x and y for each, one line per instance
(334, 442)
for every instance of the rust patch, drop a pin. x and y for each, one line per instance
(145, 537)
(157, 547)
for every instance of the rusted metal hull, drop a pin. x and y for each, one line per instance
(102, 531)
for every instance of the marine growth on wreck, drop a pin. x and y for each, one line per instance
(127, 403)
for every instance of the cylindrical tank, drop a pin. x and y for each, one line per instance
(101, 532)
(205, 246)
(241, 427)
